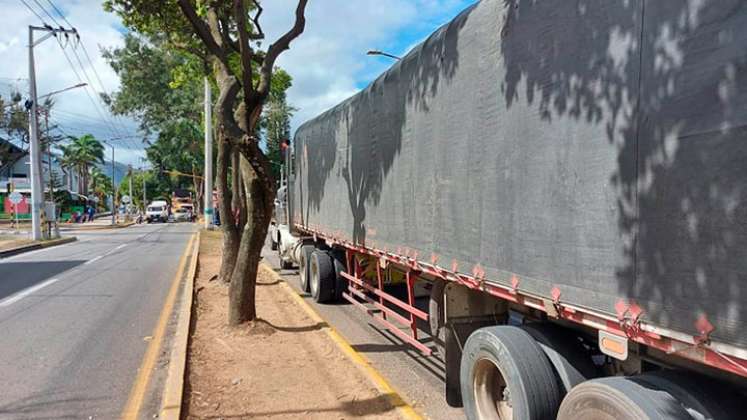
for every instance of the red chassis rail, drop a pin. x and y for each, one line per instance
(627, 325)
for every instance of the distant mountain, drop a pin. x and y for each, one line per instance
(120, 170)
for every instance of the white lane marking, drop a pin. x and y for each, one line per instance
(119, 247)
(92, 260)
(23, 293)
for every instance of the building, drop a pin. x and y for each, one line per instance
(16, 169)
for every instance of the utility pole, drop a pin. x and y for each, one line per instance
(208, 158)
(37, 191)
(114, 191)
(145, 196)
(132, 200)
(34, 149)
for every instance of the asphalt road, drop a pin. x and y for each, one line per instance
(419, 379)
(76, 319)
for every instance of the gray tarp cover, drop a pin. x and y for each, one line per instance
(597, 146)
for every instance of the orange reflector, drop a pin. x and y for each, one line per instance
(613, 345)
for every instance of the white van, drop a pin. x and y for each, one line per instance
(157, 211)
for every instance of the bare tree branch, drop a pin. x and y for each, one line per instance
(260, 33)
(282, 44)
(246, 52)
(225, 33)
(203, 31)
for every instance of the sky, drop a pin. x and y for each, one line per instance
(328, 62)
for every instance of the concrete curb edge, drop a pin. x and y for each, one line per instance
(33, 247)
(173, 390)
(404, 409)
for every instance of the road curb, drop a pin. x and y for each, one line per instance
(360, 361)
(34, 247)
(173, 390)
(84, 227)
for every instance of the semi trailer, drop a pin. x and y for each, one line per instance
(568, 180)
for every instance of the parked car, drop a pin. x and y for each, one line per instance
(182, 215)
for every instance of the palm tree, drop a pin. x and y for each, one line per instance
(80, 155)
(101, 184)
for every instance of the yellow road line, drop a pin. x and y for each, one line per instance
(173, 392)
(137, 393)
(404, 409)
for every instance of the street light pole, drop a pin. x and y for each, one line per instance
(208, 158)
(377, 52)
(34, 147)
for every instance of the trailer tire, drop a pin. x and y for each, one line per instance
(620, 398)
(322, 276)
(303, 266)
(701, 397)
(436, 318)
(341, 283)
(570, 360)
(504, 363)
(285, 264)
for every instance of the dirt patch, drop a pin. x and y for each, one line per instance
(280, 366)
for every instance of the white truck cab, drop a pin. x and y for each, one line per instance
(157, 211)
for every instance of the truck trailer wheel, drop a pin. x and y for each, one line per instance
(570, 360)
(303, 266)
(620, 398)
(285, 264)
(322, 276)
(701, 397)
(505, 375)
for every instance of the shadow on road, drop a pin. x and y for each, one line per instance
(16, 276)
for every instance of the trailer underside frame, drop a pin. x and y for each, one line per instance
(626, 325)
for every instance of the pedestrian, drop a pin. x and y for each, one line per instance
(91, 212)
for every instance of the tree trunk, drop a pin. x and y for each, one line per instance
(231, 237)
(237, 188)
(241, 293)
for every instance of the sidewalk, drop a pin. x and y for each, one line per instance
(283, 365)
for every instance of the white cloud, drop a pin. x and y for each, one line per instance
(328, 62)
(75, 110)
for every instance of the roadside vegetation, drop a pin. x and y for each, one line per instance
(166, 57)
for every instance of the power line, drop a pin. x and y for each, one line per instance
(77, 75)
(115, 118)
(123, 141)
(116, 123)
(47, 13)
(56, 9)
(33, 11)
(109, 123)
(90, 85)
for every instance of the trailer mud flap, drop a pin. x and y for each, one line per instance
(457, 332)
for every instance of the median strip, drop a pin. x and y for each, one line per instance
(284, 359)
